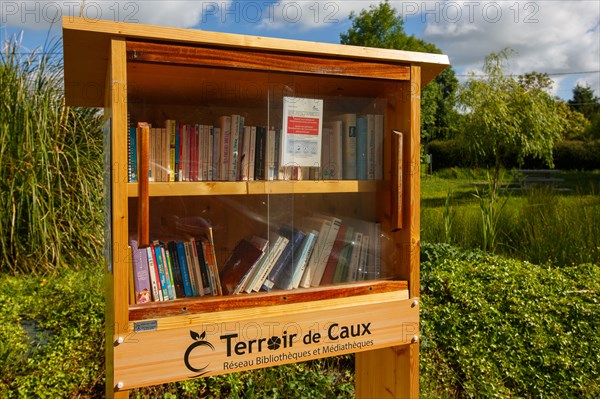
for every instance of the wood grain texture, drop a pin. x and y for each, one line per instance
(177, 189)
(397, 176)
(143, 185)
(86, 43)
(118, 302)
(201, 305)
(264, 60)
(412, 177)
(344, 326)
(388, 372)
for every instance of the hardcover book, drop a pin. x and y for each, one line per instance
(244, 256)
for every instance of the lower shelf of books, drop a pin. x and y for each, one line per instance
(208, 304)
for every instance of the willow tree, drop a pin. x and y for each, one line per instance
(503, 113)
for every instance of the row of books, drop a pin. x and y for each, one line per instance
(351, 148)
(177, 269)
(325, 250)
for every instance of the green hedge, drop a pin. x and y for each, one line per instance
(496, 327)
(491, 327)
(581, 155)
(447, 154)
(568, 155)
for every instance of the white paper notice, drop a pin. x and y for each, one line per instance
(302, 131)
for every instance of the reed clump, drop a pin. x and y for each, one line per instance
(51, 167)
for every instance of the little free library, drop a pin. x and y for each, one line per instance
(261, 201)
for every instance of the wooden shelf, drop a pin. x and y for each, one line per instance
(175, 189)
(209, 304)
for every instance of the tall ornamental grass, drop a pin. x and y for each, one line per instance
(51, 167)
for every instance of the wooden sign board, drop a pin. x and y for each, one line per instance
(201, 345)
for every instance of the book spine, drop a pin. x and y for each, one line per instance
(197, 260)
(355, 259)
(202, 171)
(184, 150)
(317, 254)
(184, 269)
(252, 153)
(349, 146)
(216, 156)
(361, 148)
(209, 151)
(274, 256)
(244, 173)
(342, 266)
(286, 274)
(326, 251)
(173, 259)
(270, 162)
(133, 158)
(337, 139)
(234, 147)
(203, 271)
(154, 275)
(172, 148)
(334, 256)
(364, 257)
(371, 137)
(261, 148)
(225, 126)
(277, 151)
(285, 260)
(310, 246)
(194, 152)
(213, 273)
(177, 152)
(189, 258)
(175, 278)
(141, 277)
(163, 271)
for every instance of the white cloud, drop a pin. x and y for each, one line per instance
(303, 15)
(547, 36)
(38, 15)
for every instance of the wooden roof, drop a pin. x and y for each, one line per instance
(86, 46)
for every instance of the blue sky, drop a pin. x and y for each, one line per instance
(561, 38)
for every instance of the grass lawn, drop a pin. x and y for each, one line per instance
(539, 225)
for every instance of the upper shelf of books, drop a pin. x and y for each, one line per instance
(87, 44)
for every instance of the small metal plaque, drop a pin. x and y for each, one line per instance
(145, 326)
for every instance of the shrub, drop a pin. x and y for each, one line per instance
(495, 327)
(579, 155)
(447, 153)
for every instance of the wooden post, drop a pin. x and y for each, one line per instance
(394, 372)
(116, 277)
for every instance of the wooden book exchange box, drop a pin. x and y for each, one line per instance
(262, 201)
